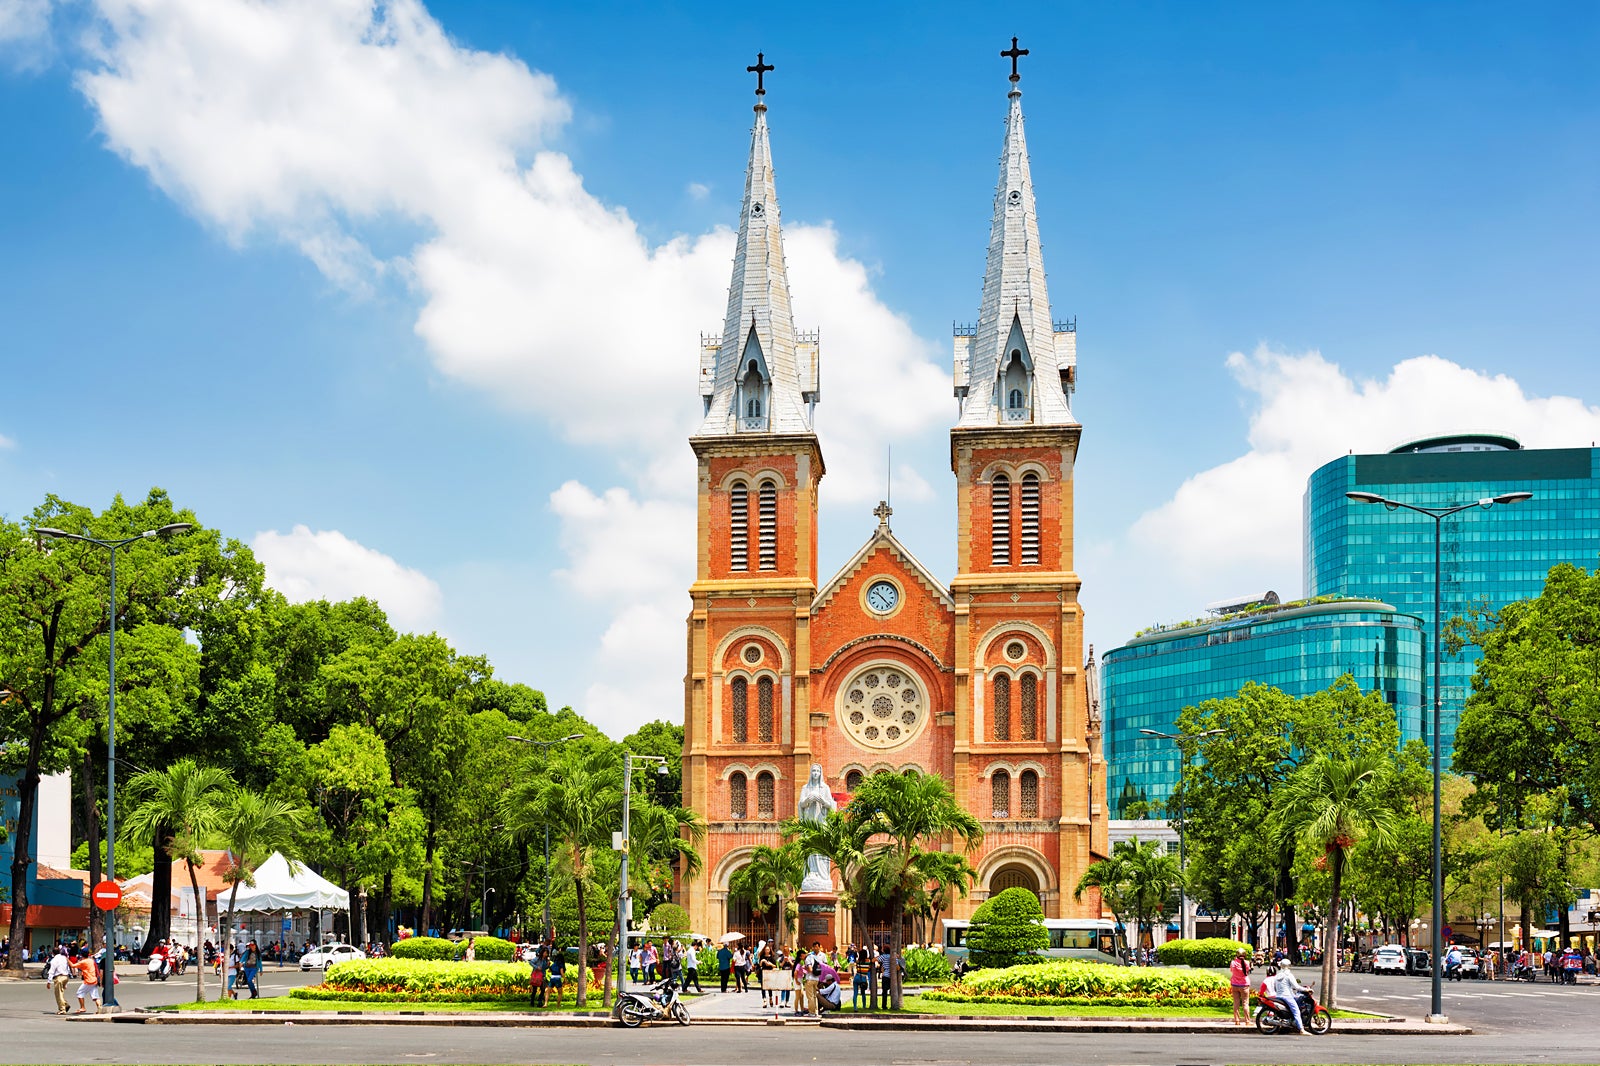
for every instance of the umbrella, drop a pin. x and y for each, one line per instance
(728, 938)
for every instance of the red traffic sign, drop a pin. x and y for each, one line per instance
(106, 895)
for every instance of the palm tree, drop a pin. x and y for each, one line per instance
(1110, 876)
(1329, 804)
(1154, 876)
(949, 877)
(254, 827)
(772, 876)
(188, 801)
(841, 838)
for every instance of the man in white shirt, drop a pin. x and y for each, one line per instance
(58, 973)
(1286, 988)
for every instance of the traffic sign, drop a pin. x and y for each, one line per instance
(106, 895)
(288, 924)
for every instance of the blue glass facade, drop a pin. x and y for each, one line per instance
(1490, 556)
(1299, 648)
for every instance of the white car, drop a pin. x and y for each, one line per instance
(1391, 958)
(330, 955)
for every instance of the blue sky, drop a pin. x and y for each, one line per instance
(408, 296)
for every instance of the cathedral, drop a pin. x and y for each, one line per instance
(883, 667)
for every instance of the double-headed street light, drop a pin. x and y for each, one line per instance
(167, 530)
(546, 745)
(1183, 866)
(623, 906)
(1438, 514)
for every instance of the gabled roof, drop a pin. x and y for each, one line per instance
(882, 537)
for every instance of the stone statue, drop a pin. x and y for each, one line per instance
(814, 804)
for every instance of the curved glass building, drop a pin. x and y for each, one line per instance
(1300, 648)
(1490, 557)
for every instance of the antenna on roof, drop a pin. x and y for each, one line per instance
(888, 474)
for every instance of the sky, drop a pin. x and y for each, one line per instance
(408, 296)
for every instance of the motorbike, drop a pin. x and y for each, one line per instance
(658, 1002)
(1273, 1017)
(1520, 972)
(159, 968)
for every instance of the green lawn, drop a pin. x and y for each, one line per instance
(281, 1003)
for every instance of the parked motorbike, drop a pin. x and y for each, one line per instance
(159, 968)
(658, 1002)
(1520, 972)
(1273, 1016)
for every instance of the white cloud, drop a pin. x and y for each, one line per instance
(698, 190)
(6, 442)
(25, 32)
(326, 564)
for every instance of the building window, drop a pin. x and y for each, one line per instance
(769, 525)
(1029, 555)
(1002, 708)
(1014, 400)
(739, 517)
(1030, 706)
(1028, 795)
(752, 409)
(764, 710)
(736, 796)
(764, 797)
(741, 710)
(1000, 521)
(852, 780)
(1000, 794)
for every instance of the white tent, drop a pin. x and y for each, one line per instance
(278, 888)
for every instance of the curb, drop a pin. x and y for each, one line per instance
(484, 1019)
(976, 1024)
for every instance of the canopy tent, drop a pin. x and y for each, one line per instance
(278, 888)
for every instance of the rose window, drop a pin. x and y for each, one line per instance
(882, 707)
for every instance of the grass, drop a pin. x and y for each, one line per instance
(289, 1003)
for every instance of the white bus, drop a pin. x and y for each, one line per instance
(1095, 939)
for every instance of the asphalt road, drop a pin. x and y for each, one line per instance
(1513, 1023)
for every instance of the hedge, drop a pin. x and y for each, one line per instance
(419, 978)
(1211, 953)
(1073, 981)
(423, 947)
(925, 966)
(488, 949)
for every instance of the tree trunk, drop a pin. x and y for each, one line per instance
(872, 963)
(21, 857)
(429, 844)
(199, 933)
(91, 832)
(225, 934)
(1330, 936)
(385, 908)
(355, 916)
(1524, 922)
(1291, 932)
(582, 996)
(896, 945)
(160, 891)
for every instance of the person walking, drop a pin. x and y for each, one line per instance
(860, 979)
(1239, 985)
(741, 970)
(252, 965)
(538, 965)
(764, 965)
(691, 966)
(88, 980)
(724, 965)
(556, 972)
(57, 973)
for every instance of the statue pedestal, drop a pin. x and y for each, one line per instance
(819, 920)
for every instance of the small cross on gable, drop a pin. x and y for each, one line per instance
(1013, 54)
(883, 511)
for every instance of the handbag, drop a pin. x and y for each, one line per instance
(536, 978)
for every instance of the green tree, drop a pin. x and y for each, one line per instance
(771, 878)
(1329, 804)
(1008, 929)
(254, 827)
(181, 806)
(1110, 878)
(351, 789)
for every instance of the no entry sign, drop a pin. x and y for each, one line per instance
(106, 895)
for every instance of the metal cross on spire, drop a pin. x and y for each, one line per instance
(760, 71)
(1013, 54)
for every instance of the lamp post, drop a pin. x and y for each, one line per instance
(546, 745)
(623, 907)
(1438, 514)
(1183, 866)
(110, 980)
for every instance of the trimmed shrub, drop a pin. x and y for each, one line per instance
(488, 949)
(1008, 930)
(426, 979)
(1211, 953)
(423, 947)
(669, 919)
(926, 967)
(1077, 982)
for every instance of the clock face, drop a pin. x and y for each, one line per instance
(882, 596)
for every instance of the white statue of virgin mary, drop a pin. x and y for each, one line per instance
(815, 802)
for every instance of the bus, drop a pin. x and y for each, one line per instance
(1095, 939)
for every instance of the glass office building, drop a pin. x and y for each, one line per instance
(1489, 556)
(1300, 648)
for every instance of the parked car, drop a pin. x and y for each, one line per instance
(1391, 958)
(330, 955)
(1418, 962)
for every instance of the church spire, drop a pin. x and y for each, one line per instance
(1015, 367)
(759, 376)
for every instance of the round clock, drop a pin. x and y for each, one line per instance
(882, 596)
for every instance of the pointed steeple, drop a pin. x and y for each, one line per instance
(1015, 367)
(759, 376)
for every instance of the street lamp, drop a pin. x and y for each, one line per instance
(110, 980)
(546, 745)
(1438, 514)
(1183, 866)
(622, 845)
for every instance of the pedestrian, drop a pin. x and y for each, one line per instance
(860, 978)
(1239, 985)
(802, 973)
(635, 957)
(57, 973)
(252, 965)
(884, 971)
(88, 980)
(471, 954)
(556, 972)
(691, 966)
(724, 965)
(538, 965)
(765, 964)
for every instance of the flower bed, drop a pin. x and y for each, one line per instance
(421, 979)
(1071, 982)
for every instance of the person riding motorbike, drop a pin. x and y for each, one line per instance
(1286, 989)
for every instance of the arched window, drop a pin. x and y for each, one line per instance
(769, 525)
(1002, 708)
(739, 520)
(1000, 793)
(852, 780)
(736, 796)
(1000, 521)
(1030, 706)
(1014, 400)
(1029, 556)
(741, 710)
(752, 409)
(1028, 795)
(764, 710)
(764, 797)
(1016, 387)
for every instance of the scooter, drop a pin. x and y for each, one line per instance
(1273, 1016)
(159, 968)
(658, 1002)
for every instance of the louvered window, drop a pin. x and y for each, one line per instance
(1030, 520)
(1000, 794)
(1028, 795)
(764, 710)
(764, 797)
(739, 515)
(769, 525)
(1000, 521)
(1002, 708)
(1030, 706)
(741, 710)
(736, 796)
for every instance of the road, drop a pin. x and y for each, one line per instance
(1513, 1023)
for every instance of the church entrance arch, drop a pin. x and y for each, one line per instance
(1012, 875)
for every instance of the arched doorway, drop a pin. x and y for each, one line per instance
(754, 924)
(1012, 875)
